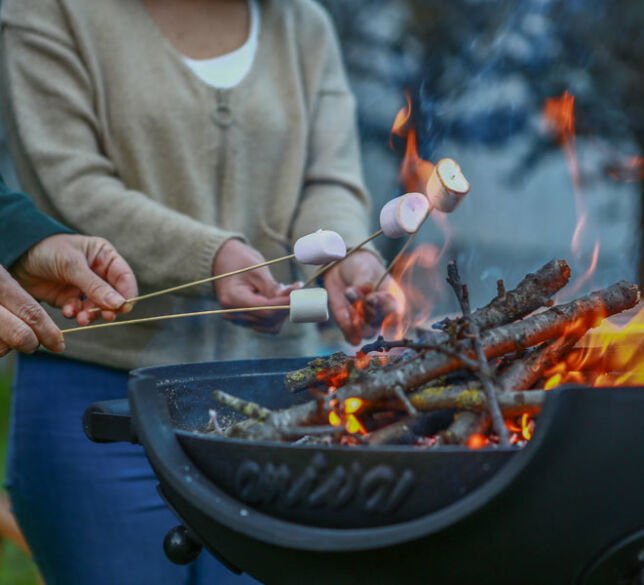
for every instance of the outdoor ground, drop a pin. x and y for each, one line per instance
(15, 567)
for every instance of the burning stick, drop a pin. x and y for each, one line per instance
(317, 248)
(465, 425)
(485, 373)
(306, 306)
(500, 341)
(524, 373)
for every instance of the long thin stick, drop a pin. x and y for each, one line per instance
(320, 271)
(166, 291)
(177, 316)
(398, 256)
(485, 372)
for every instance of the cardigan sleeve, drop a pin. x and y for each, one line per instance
(50, 99)
(334, 195)
(22, 225)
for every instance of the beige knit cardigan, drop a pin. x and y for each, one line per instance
(113, 134)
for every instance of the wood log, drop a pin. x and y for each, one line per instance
(465, 425)
(245, 407)
(510, 403)
(411, 428)
(533, 292)
(308, 375)
(524, 373)
(588, 310)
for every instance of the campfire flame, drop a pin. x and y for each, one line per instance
(414, 171)
(609, 356)
(559, 118)
(415, 282)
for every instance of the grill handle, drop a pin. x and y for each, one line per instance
(109, 422)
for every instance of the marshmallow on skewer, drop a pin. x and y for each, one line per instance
(320, 247)
(309, 305)
(403, 215)
(447, 186)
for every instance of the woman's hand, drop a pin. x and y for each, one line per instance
(24, 324)
(256, 288)
(356, 307)
(77, 273)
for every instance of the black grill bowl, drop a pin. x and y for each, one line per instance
(568, 508)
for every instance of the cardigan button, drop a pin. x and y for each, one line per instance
(223, 116)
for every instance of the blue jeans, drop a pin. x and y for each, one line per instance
(90, 512)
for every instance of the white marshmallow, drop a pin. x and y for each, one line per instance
(320, 247)
(447, 186)
(309, 305)
(404, 215)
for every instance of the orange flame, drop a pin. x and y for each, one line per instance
(414, 171)
(416, 280)
(609, 355)
(559, 116)
(402, 119)
(350, 408)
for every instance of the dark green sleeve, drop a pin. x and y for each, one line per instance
(22, 225)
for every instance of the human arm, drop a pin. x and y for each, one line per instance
(57, 270)
(333, 193)
(22, 225)
(53, 102)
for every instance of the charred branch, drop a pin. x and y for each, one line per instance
(534, 330)
(533, 292)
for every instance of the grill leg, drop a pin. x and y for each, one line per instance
(180, 546)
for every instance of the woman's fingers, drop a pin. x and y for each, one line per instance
(113, 268)
(23, 322)
(342, 310)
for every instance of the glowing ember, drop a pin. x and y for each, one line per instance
(334, 419)
(352, 405)
(477, 441)
(527, 427)
(353, 425)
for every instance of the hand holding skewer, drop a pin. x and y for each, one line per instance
(236, 258)
(304, 306)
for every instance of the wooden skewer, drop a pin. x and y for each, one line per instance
(405, 247)
(320, 271)
(397, 257)
(166, 291)
(176, 316)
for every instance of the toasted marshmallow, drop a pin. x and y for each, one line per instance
(403, 215)
(309, 305)
(320, 248)
(447, 186)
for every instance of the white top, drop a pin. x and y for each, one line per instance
(228, 70)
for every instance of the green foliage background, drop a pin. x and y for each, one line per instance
(15, 567)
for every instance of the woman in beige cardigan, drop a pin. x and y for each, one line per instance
(198, 136)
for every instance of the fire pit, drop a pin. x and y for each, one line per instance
(567, 508)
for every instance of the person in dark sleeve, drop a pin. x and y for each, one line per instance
(42, 259)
